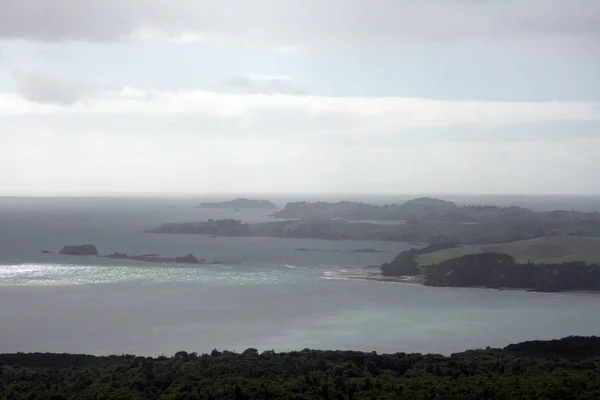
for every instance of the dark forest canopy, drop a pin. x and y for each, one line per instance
(502, 271)
(542, 370)
(495, 270)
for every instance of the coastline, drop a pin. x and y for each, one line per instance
(365, 275)
(420, 280)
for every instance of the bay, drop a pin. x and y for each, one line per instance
(268, 297)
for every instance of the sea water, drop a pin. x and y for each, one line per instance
(266, 295)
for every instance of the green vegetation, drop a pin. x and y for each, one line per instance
(560, 268)
(241, 203)
(551, 249)
(405, 263)
(566, 369)
(499, 231)
(80, 250)
(497, 270)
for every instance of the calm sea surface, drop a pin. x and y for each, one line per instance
(268, 296)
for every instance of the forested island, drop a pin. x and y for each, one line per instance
(426, 209)
(157, 258)
(508, 230)
(91, 250)
(542, 370)
(241, 203)
(423, 220)
(497, 270)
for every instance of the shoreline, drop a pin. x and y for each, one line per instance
(378, 277)
(420, 280)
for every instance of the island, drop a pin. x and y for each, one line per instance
(241, 203)
(222, 227)
(88, 250)
(368, 250)
(548, 265)
(486, 232)
(427, 209)
(80, 250)
(568, 368)
(312, 228)
(157, 258)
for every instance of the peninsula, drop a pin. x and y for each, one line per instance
(241, 203)
(548, 264)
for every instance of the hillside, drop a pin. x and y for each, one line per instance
(551, 249)
(427, 209)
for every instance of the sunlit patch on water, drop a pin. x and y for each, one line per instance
(65, 274)
(341, 274)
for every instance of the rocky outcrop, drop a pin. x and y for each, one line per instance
(117, 255)
(80, 250)
(188, 259)
(46, 252)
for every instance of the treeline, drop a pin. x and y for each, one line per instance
(499, 231)
(405, 263)
(495, 270)
(502, 271)
(563, 369)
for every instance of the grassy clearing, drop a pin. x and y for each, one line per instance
(552, 249)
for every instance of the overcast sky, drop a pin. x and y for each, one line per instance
(239, 96)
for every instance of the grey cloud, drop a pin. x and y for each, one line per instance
(294, 22)
(45, 89)
(259, 85)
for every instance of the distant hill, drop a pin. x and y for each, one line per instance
(241, 203)
(427, 209)
(432, 233)
(322, 209)
(551, 249)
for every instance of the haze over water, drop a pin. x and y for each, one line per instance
(268, 296)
